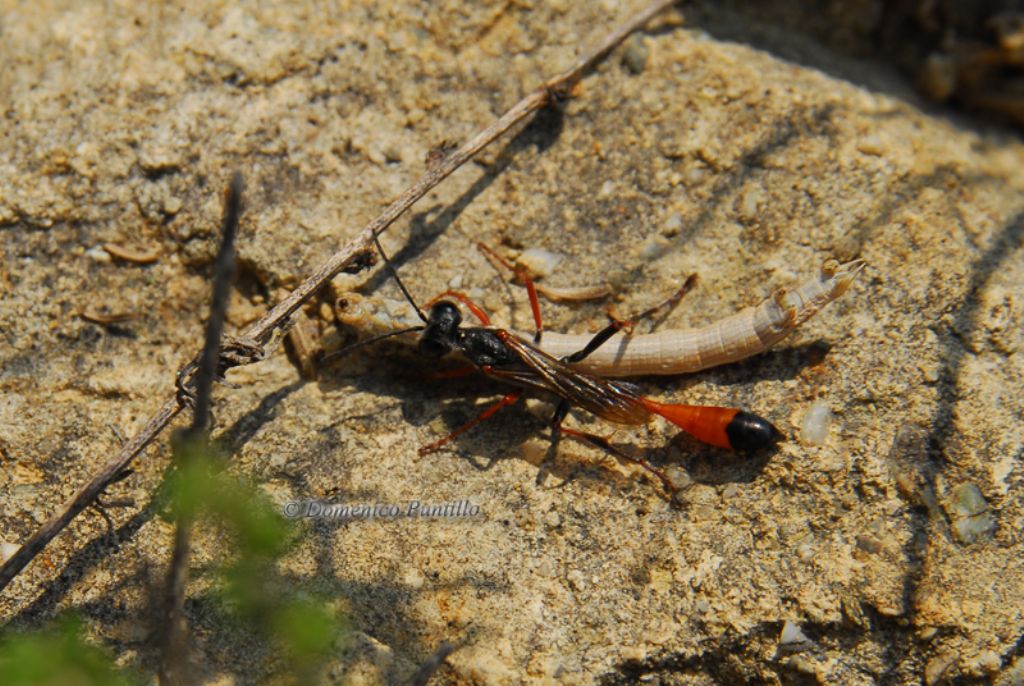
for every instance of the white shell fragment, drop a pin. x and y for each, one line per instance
(98, 254)
(7, 551)
(816, 423)
(540, 262)
(793, 639)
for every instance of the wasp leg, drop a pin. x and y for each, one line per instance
(456, 373)
(604, 444)
(556, 436)
(616, 325)
(483, 416)
(527, 280)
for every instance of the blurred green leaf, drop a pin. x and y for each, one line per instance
(57, 657)
(254, 595)
(307, 629)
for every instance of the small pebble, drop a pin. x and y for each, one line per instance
(534, 452)
(816, 423)
(869, 544)
(938, 668)
(969, 515)
(552, 519)
(172, 205)
(413, 577)
(938, 76)
(983, 664)
(376, 155)
(634, 57)
(576, 580)
(930, 370)
(673, 225)
(393, 153)
(750, 204)
(871, 145)
(654, 247)
(7, 551)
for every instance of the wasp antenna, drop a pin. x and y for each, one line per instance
(359, 344)
(401, 285)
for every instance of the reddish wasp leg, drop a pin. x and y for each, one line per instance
(598, 442)
(464, 299)
(456, 373)
(566, 294)
(722, 427)
(604, 444)
(483, 416)
(527, 280)
(617, 325)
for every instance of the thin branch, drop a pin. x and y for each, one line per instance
(432, 664)
(224, 270)
(351, 253)
(194, 444)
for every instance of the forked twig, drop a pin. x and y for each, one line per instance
(258, 334)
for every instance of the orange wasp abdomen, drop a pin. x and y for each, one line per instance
(722, 427)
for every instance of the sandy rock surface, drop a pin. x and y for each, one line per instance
(891, 552)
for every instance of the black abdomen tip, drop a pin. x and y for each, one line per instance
(747, 431)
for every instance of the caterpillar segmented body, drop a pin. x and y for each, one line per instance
(675, 351)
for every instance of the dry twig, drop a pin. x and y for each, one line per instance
(248, 347)
(194, 443)
(432, 664)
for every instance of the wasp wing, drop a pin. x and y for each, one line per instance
(609, 400)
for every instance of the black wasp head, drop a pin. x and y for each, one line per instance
(439, 338)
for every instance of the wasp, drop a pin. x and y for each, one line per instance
(513, 360)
